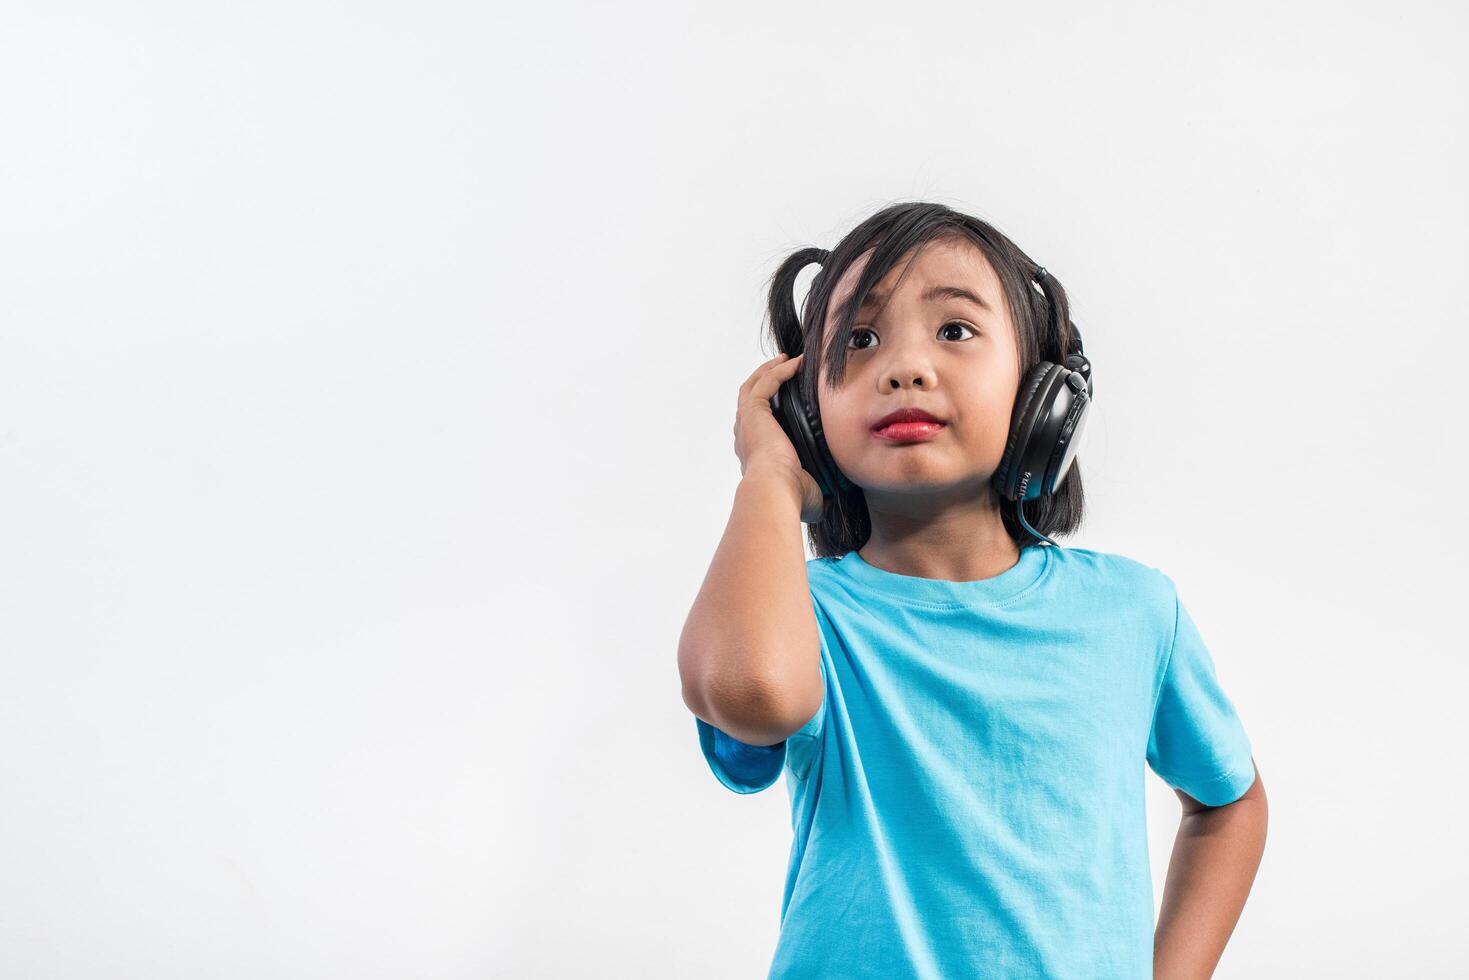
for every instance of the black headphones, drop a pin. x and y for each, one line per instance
(1051, 409)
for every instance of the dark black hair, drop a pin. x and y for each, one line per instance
(1042, 326)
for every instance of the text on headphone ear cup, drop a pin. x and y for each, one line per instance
(1047, 415)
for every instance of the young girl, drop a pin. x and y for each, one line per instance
(962, 708)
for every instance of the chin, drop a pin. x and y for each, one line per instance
(921, 479)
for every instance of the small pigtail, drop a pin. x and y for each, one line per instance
(785, 323)
(1056, 313)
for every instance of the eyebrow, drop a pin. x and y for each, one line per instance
(875, 298)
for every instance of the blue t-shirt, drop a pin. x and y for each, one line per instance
(969, 799)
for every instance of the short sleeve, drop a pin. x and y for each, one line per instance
(1197, 743)
(746, 768)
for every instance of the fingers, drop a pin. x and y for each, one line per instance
(755, 375)
(771, 375)
(747, 388)
(775, 376)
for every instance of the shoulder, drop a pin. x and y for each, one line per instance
(1107, 573)
(820, 566)
(821, 573)
(1133, 597)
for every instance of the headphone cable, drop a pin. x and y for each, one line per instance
(1020, 513)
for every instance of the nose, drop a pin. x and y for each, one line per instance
(905, 373)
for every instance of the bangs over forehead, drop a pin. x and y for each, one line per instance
(846, 285)
(975, 282)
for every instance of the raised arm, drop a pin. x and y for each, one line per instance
(749, 653)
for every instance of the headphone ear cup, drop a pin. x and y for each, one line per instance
(824, 458)
(1052, 414)
(1022, 423)
(1068, 439)
(1083, 367)
(803, 428)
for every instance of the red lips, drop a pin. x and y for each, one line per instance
(905, 415)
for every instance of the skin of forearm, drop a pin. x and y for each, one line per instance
(1215, 857)
(751, 629)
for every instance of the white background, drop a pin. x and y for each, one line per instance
(367, 375)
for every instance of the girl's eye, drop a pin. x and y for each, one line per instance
(853, 344)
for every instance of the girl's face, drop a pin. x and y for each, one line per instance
(923, 345)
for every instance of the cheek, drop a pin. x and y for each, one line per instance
(986, 419)
(998, 408)
(842, 422)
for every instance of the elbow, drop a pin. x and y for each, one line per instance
(743, 705)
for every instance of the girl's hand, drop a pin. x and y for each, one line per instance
(760, 442)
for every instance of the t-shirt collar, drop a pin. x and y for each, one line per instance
(1033, 564)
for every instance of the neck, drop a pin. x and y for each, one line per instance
(960, 541)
